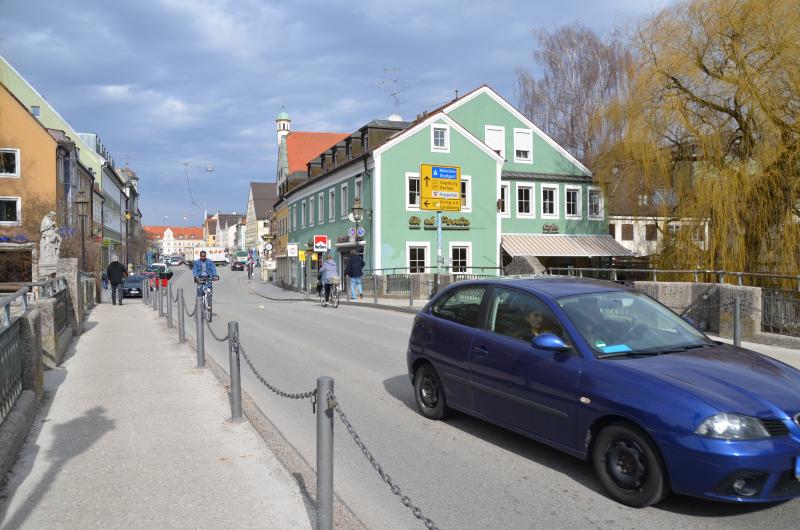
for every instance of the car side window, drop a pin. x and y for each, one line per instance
(462, 306)
(521, 316)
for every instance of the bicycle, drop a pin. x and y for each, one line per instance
(207, 295)
(334, 295)
(249, 271)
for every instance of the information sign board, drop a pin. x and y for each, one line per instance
(291, 250)
(440, 188)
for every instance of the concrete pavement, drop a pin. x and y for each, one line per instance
(130, 435)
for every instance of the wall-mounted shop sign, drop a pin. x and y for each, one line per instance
(448, 223)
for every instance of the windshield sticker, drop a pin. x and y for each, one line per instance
(600, 344)
(615, 348)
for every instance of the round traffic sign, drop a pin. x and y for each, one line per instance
(351, 232)
(361, 231)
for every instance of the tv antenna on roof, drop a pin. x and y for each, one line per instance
(395, 85)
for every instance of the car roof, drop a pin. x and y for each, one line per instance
(554, 286)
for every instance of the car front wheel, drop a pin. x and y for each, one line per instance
(629, 466)
(429, 393)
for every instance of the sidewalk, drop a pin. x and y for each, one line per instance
(130, 435)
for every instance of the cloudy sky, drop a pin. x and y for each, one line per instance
(164, 82)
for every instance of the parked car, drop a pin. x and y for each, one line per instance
(238, 260)
(133, 285)
(607, 374)
(175, 261)
(159, 272)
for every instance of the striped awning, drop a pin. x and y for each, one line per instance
(562, 245)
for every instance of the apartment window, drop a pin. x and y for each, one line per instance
(524, 198)
(495, 138)
(440, 138)
(673, 229)
(412, 191)
(549, 201)
(9, 163)
(460, 254)
(417, 257)
(643, 200)
(612, 230)
(595, 203)
(627, 232)
(345, 204)
(523, 146)
(573, 202)
(651, 232)
(502, 204)
(36, 110)
(303, 214)
(331, 204)
(466, 193)
(10, 211)
(358, 190)
(320, 208)
(311, 211)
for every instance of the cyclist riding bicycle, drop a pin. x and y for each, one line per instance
(251, 263)
(203, 268)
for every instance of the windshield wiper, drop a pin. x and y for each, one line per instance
(628, 354)
(684, 348)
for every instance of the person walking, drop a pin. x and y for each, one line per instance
(329, 272)
(116, 274)
(355, 270)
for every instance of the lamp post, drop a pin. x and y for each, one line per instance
(82, 204)
(358, 216)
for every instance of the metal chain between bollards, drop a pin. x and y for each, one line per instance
(334, 404)
(176, 297)
(188, 314)
(219, 339)
(311, 394)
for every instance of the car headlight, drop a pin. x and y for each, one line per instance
(732, 427)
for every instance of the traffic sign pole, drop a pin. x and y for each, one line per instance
(439, 242)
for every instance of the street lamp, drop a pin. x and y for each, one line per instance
(82, 204)
(358, 216)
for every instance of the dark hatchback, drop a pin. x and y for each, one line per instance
(607, 374)
(132, 286)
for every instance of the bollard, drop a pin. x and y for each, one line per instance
(411, 290)
(145, 291)
(160, 302)
(375, 288)
(201, 343)
(169, 306)
(435, 282)
(324, 455)
(155, 298)
(737, 321)
(236, 377)
(181, 318)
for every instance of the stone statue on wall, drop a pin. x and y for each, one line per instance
(49, 245)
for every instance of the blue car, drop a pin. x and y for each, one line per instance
(609, 375)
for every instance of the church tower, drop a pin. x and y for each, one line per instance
(284, 125)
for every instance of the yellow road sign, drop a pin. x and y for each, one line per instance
(301, 254)
(440, 188)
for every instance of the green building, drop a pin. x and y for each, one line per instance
(526, 203)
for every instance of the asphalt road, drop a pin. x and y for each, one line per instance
(462, 472)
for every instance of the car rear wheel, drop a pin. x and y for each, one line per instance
(629, 466)
(429, 393)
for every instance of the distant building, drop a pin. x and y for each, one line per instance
(175, 241)
(260, 205)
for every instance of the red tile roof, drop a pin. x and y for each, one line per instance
(304, 146)
(178, 232)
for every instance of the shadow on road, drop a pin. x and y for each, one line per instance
(581, 472)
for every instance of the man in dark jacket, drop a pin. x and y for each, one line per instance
(355, 269)
(116, 274)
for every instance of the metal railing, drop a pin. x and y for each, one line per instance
(780, 312)
(755, 279)
(324, 403)
(11, 349)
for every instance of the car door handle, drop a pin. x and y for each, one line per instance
(480, 351)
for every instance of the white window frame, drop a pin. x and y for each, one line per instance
(507, 203)
(554, 188)
(311, 212)
(446, 148)
(303, 214)
(531, 201)
(358, 190)
(18, 200)
(410, 207)
(589, 191)
(579, 202)
(332, 205)
(320, 208)
(293, 220)
(344, 201)
(468, 207)
(423, 244)
(502, 129)
(16, 173)
(461, 244)
(529, 134)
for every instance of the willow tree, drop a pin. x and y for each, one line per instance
(712, 117)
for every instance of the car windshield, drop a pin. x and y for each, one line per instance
(627, 323)
(134, 278)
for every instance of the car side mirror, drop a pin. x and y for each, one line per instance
(549, 341)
